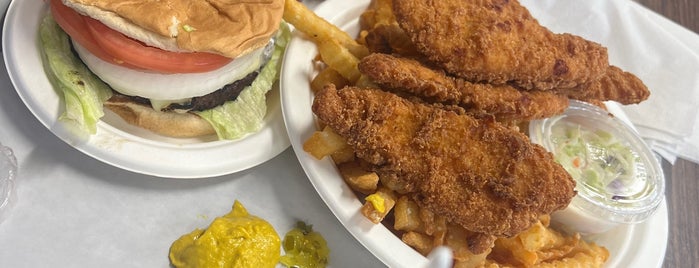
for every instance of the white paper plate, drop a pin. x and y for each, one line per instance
(116, 142)
(640, 245)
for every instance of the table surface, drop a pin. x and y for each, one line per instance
(683, 178)
(36, 144)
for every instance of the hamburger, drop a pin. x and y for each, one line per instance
(179, 68)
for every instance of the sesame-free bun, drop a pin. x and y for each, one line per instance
(178, 125)
(227, 27)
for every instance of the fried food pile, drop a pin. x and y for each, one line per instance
(479, 174)
(498, 43)
(422, 114)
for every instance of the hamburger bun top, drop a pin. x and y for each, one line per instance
(227, 27)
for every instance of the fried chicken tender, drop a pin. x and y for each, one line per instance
(390, 39)
(615, 85)
(498, 41)
(503, 102)
(486, 177)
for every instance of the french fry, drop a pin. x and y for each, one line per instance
(575, 253)
(431, 222)
(439, 238)
(328, 76)
(343, 155)
(407, 215)
(593, 257)
(420, 242)
(390, 38)
(515, 254)
(323, 143)
(457, 239)
(486, 264)
(365, 82)
(538, 238)
(339, 58)
(534, 245)
(384, 12)
(378, 12)
(317, 28)
(378, 205)
(358, 178)
(367, 20)
(559, 252)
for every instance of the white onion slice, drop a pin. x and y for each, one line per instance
(159, 86)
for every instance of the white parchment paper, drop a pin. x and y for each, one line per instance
(663, 54)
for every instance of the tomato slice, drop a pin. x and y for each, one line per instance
(151, 58)
(112, 46)
(72, 23)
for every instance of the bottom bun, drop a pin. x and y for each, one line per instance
(178, 125)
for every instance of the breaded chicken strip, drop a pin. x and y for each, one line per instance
(498, 41)
(615, 85)
(503, 102)
(488, 178)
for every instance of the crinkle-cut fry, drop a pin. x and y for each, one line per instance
(534, 245)
(339, 58)
(378, 205)
(420, 242)
(323, 143)
(406, 215)
(317, 28)
(541, 246)
(358, 178)
(328, 76)
(511, 251)
(582, 254)
(486, 264)
(594, 258)
(557, 252)
(538, 237)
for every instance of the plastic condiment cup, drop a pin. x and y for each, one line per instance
(8, 172)
(598, 209)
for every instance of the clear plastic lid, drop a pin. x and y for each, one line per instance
(618, 177)
(8, 172)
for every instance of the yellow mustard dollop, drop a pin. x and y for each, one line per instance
(377, 201)
(236, 239)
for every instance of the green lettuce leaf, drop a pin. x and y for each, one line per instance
(245, 114)
(83, 93)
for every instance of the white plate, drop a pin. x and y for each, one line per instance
(640, 245)
(116, 142)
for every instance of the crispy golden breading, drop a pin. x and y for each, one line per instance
(390, 39)
(615, 85)
(486, 177)
(503, 102)
(498, 41)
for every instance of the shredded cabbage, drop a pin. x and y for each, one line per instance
(83, 93)
(595, 158)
